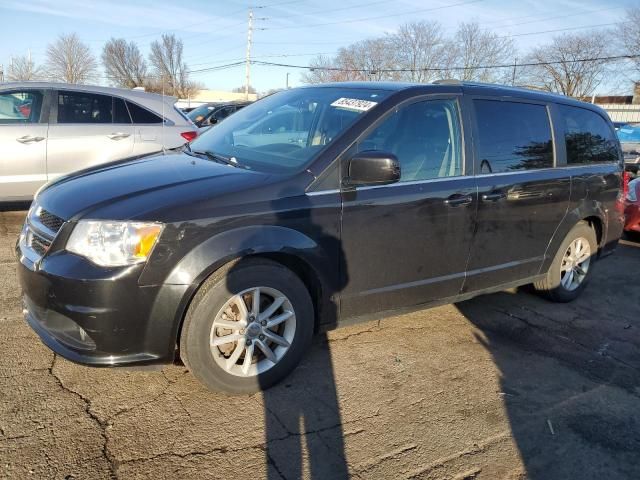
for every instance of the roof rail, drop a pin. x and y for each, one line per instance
(447, 81)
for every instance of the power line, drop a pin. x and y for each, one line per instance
(441, 69)
(378, 17)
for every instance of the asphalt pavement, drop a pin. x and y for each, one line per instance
(502, 386)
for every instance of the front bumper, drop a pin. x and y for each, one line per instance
(97, 316)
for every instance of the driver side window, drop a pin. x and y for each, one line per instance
(424, 136)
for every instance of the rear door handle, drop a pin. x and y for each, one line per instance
(29, 139)
(458, 199)
(493, 196)
(118, 135)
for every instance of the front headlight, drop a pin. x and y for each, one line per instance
(113, 244)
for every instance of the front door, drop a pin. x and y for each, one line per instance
(23, 144)
(522, 198)
(407, 243)
(90, 129)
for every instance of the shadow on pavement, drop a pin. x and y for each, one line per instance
(570, 373)
(302, 414)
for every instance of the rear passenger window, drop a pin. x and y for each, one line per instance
(142, 115)
(588, 137)
(80, 107)
(120, 113)
(513, 136)
(426, 138)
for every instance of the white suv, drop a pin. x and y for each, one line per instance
(51, 129)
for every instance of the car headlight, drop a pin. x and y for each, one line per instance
(113, 244)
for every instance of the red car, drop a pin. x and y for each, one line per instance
(632, 207)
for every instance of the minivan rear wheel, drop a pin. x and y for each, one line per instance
(247, 327)
(571, 268)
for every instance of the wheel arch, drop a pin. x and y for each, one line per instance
(285, 246)
(593, 214)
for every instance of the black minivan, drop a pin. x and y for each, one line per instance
(312, 207)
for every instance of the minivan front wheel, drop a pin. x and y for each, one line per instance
(572, 265)
(247, 327)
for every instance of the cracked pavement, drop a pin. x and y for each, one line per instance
(502, 386)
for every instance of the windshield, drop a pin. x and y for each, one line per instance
(199, 113)
(629, 133)
(282, 133)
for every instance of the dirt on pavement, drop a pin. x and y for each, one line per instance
(502, 386)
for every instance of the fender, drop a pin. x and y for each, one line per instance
(220, 249)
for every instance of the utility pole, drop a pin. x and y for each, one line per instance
(287, 83)
(513, 75)
(1, 73)
(248, 60)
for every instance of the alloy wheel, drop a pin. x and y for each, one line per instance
(252, 331)
(575, 264)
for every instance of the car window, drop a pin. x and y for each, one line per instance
(142, 115)
(629, 133)
(223, 113)
(120, 112)
(198, 114)
(588, 137)
(20, 107)
(513, 136)
(82, 107)
(424, 136)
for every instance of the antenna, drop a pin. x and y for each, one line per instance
(164, 119)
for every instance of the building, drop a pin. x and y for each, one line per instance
(206, 96)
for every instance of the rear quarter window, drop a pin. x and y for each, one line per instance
(142, 115)
(588, 137)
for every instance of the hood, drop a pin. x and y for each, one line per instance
(127, 190)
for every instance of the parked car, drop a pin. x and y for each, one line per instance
(209, 114)
(632, 207)
(629, 136)
(400, 197)
(618, 125)
(51, 129)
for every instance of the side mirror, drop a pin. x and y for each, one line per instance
(372, 168)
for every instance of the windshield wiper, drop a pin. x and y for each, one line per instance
(216, 157)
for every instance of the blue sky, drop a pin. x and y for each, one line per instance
(286, 31)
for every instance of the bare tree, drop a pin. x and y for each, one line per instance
(320, 71)
(124, 64)
(419, 47)
(69, 60)
(171, 72)
(472, 48)
(372, 59)
(570, 64)
(629, 37)
(23, 68)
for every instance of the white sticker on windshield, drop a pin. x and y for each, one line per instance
(354, 104)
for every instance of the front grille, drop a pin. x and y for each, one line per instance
(40, 245)
(38, 233)
(49, 220)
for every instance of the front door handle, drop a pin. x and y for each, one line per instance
(493, 196)
(458, 199)
(118, 135)
(29, 139)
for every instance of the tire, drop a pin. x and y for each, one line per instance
(556, 286)
(219, 367)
